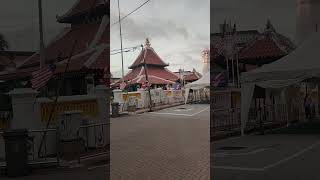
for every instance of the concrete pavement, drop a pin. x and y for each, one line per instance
(168, 144)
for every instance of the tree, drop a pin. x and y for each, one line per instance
(4, 45)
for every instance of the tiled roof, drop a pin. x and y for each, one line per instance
(191, 77)
(262, 47)
(151, 58)
(81, 7)
(87, 36)
(156, 75)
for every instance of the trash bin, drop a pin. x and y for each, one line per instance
(16, 152)
(115, 109)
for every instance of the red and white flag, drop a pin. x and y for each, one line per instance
(123, 85)
(42, 76)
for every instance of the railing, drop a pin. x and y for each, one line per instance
(266, 116)
(99, 145)
(97, 130)
(94, 136)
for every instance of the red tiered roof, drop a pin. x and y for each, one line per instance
(156, 75)
(151, 58)
(192, 76)
(84, 34)
(265, 47)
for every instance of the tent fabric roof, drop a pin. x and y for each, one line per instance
(204, 81)
(301, 64)
(303, 60)
(151, 58)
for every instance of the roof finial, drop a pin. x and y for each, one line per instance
(147, 43)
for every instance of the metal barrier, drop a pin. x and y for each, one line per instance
(266, 116)
(84, 133)
(99, 145)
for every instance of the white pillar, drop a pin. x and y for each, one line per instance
(25, 111)
(117, 96)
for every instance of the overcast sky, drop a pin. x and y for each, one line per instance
(178, 30)
(19, 21)
(253, 14)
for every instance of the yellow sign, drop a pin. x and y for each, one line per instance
(168, 93)
(126, 96)
(88, 107)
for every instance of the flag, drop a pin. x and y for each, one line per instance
(123, 85)
(220, 78)
(42, 76)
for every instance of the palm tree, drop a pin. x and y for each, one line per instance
(4, 45)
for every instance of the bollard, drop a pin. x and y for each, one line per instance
(115, 109)
(16, 152)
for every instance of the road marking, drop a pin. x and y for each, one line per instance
(201, 111)
(223, 140)
(176, 114)
(238, 168)
(240, 154)
(271, 165)
(96, 167)
(292, 156)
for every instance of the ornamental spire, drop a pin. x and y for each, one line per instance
(147, 43)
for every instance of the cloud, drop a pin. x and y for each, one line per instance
(137, 29)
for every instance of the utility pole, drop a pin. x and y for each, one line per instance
(42, 53)
(121, 39)
(146, 73)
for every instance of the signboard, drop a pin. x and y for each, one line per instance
(126, 96)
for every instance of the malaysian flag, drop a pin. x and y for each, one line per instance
(42, 76)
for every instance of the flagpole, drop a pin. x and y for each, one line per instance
(42, 53)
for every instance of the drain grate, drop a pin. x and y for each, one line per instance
(231, 148)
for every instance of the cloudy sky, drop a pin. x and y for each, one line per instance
(179, 30)
(176, 32)
(19, 21)
(253, 14)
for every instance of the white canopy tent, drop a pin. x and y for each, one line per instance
(301, 64)
(203, 82)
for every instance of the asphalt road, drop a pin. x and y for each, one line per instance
(272, 156)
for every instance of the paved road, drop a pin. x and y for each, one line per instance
(167, 144)
(95, 172)
(276, 157)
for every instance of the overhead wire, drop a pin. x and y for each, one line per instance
(133, 11)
